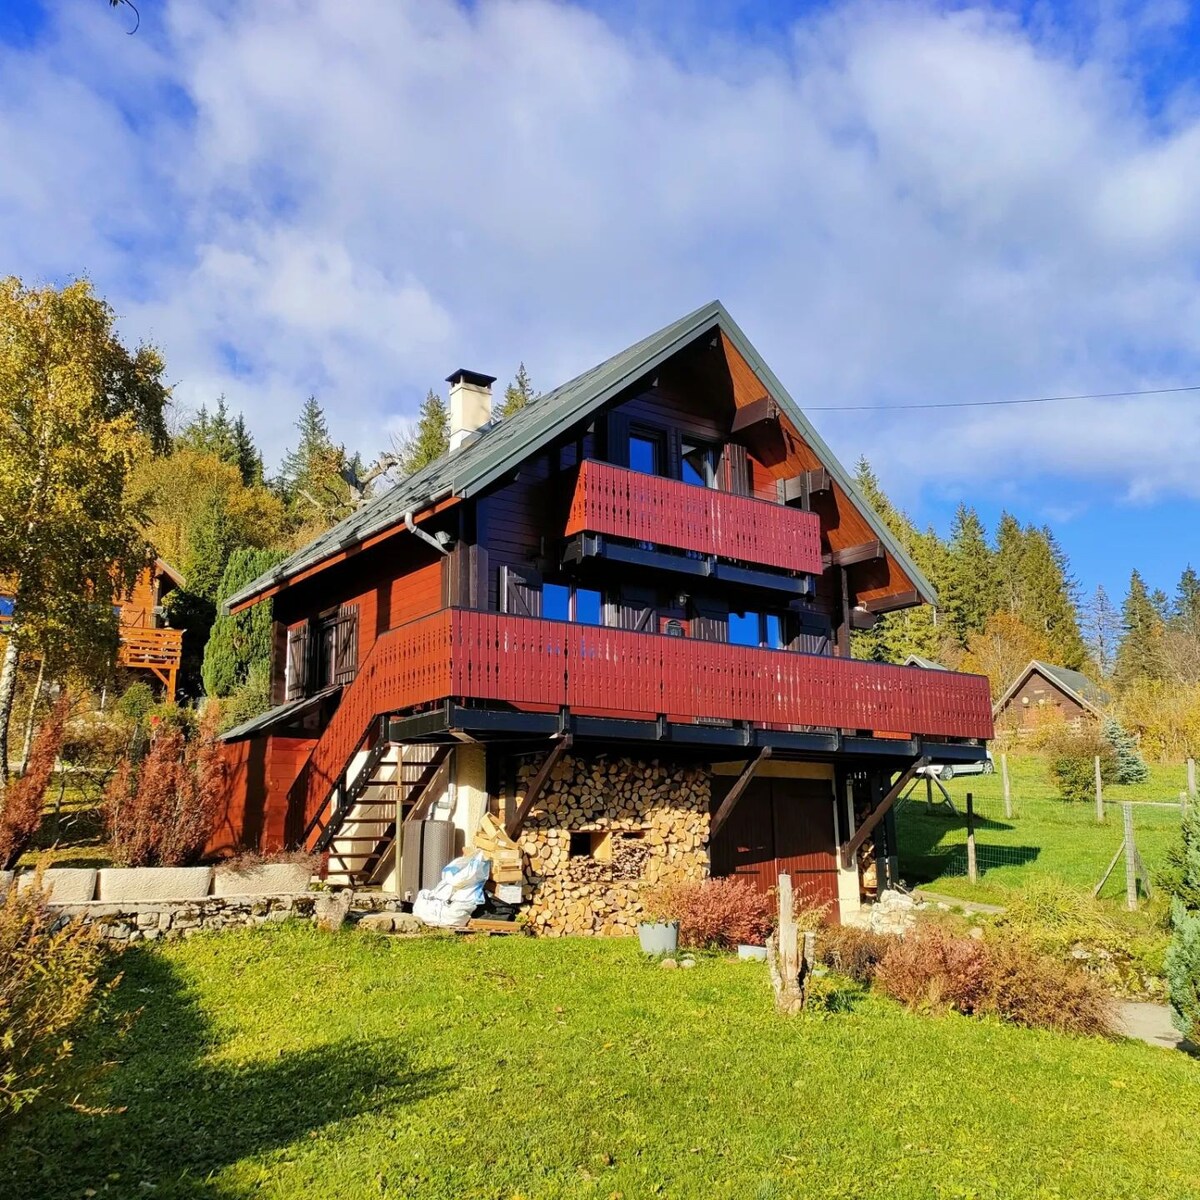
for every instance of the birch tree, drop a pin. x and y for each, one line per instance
(76, 411)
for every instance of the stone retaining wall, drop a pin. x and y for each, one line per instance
(148, 921)
(636, 823)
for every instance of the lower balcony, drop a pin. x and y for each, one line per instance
(539, 665)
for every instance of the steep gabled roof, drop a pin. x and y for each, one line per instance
(508, 443)
(1073, 683)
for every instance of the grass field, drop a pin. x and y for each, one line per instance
(285, 1063)
(1045, 837)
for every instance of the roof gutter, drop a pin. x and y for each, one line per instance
(434, 541)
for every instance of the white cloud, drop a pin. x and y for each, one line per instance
(898, 203)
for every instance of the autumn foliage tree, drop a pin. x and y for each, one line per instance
(77, 409)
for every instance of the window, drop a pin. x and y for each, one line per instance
(699, 464)
(561, 602)
(757, 629)
(646, 453)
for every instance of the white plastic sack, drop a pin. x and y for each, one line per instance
(449, 913)
(468, 871)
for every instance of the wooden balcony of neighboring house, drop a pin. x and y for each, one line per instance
(616, 502)
(147, 647)
(540, 666)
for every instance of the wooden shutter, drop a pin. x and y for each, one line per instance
(297, 662)
(673, 467)
(345, 645)
(735, 469)
(710, 619)
(521, 591)
(635, 610)
(615, 431)
(279, 661)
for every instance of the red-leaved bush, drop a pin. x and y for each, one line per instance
(21, 811)
(932, 969)
(717, 912)
(161, 811)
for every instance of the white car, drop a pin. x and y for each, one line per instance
(948, 771)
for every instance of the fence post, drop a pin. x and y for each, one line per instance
(1130, 858)
(972, 870)
(1007, 787)
(1099, 794)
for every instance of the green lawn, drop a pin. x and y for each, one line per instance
(1045, 837)
(285, 1063)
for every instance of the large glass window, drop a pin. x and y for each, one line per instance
(563, 603)
(743, 629)
(645, 453)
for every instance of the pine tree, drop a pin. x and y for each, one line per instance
(311, 477)
(1010, 557)
(1185, 611)
(1131, 767)
(1048, 597)
(1102, 626)
(971, 590)
(431, 439)
(226, 439)
(1140, 655)
(239, 643)
(518, 394)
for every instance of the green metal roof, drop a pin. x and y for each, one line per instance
(508, 443)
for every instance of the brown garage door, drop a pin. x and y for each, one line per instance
(779, 825)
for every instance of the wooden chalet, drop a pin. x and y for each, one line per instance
(619, 622)
(146, 643)
(1043, 692)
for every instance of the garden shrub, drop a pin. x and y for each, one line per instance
(1182, 962)
(853, 951)
(160, 812)
(135, 703)
(934, 970)
(49, 991)
(1071, 757)
(24, 799)
(714, 912)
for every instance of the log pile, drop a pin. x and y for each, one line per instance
(637, 824)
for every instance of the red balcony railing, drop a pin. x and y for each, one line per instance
(530, 663)
(645, 508)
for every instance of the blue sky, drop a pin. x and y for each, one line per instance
(900, 203)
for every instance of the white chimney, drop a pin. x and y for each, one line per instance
(470, 405)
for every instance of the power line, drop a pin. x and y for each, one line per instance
(997, 403)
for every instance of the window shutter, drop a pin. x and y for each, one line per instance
(279, 660)
(636, 610)
(674, 451)
(345, 645)
(297, 662)
(616, 439)
(736, 469)
(521, 591)
(711, 619)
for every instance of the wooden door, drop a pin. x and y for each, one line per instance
(745, 846)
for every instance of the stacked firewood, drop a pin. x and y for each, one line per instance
(636, 823)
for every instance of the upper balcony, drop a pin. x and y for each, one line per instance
(617, 502)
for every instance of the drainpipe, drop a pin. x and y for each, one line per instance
(425, 537)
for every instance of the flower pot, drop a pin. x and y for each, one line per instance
(658, 937)
(758, 953)
(124, 885)
(263, 879)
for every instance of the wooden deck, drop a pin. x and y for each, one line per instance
(155, 650)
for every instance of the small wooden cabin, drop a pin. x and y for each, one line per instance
(619, 623)
(1044, 692)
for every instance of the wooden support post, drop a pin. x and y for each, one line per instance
(735, 793)
(539, 782)
(929, 792)
(972, 869)
(783, 952)
(1099, 794)
(1007, 787)
(868, 826)
(1131, 860)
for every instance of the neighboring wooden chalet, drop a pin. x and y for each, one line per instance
(1043, 692)
(618, 621)
(146, 642)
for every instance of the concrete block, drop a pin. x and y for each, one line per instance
(265, 879)
(124, 885)
(64, 885)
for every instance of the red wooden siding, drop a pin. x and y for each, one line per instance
(260, 773)
(622, 503)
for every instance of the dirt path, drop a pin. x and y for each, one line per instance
(1151, 1023)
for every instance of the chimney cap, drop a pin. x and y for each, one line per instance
(462, 375)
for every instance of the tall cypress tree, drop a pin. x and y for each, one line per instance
(1140, 655)
(239, 642)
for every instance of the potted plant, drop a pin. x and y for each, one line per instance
(658, 931)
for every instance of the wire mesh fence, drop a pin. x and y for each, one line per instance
(1029, 832)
